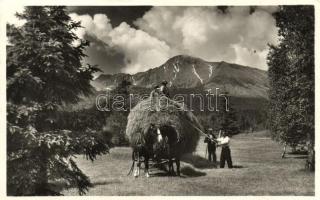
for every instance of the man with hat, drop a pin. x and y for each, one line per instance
(154, 95)
(164, 89)
(224, 142)
(211, 147)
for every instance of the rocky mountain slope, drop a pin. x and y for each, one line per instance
(189, 72)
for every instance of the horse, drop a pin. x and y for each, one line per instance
(143, 151)
(140, 154)
(168, 148)
(159, 143)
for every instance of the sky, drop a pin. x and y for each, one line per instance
(132, 39)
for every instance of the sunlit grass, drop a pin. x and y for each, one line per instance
(260, 171)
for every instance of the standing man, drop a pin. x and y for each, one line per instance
(156, 91)
(211, 147)
(154, 95)
(224, 142)
(164, 89)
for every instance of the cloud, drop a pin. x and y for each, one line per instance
(97, 27)
(250, 58)
(141, 51)
(108, 59)
(269, 9)
(235, 35)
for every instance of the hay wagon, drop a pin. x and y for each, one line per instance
(171, 118)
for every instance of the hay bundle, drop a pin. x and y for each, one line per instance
(171, 114)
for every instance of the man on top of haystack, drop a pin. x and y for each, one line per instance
(164, 89)
(157, 92)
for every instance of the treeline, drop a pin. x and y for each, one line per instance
(244, 115)
(239, 115)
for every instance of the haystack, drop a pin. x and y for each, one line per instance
(172, 114)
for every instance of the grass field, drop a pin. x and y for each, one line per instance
(259, 170)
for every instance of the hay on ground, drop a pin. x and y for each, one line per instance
(172, 114)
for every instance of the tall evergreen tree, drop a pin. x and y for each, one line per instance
(291, 76)
(226, 117)
(44, 71)
(229, 121)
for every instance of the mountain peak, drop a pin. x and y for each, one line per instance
(184, 71)
(184, 59)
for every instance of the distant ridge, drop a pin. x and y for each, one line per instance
(183, 71)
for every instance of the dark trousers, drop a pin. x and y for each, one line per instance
(212, 154)
(225, 156)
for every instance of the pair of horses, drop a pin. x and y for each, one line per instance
(160, 144)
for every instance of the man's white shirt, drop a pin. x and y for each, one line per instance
(223, 141)
(161, 88)
(159, 136)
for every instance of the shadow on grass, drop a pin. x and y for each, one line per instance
(295, 156)
(298, 153)
(198, 161)
(238, 166)
(186, 172)
(305, 171)
(132, 193)
(191, 172)
(300, 157)
(59, 186)
(106, 182)
(160, 174)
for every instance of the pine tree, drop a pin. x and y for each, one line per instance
(117, 120)
(44, 71)
(291, 76)
(227, 117)
(230, 122)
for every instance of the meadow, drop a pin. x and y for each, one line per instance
(259, 170)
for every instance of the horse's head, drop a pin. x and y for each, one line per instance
(153, 134)
(153, 137)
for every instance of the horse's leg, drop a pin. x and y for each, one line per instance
(139, 165)
(171, 157)
(170, 166)
(146, 166)
(171, 169)
(135, 174)
(178, 165)
(133, 163)
(137, 170)
(284, 151)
